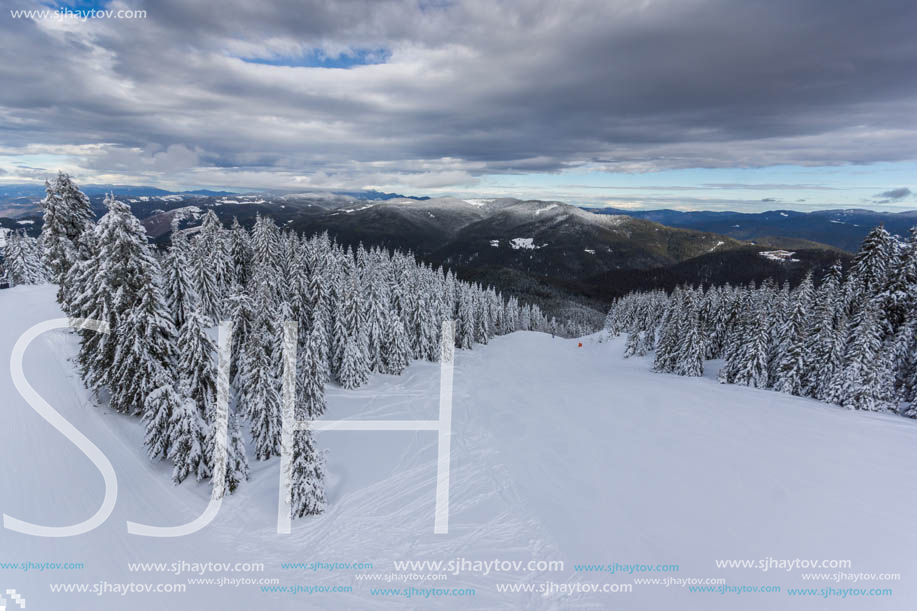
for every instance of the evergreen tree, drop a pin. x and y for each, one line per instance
(260, 394)
(143, 350)
(861, 383)
(187, 437)
(23, 260)
(236, 457)
(308, 464)
(308, 476)
(158, 409)
(67, 214)
(751, 369)
(790, 374)
(117, 277)
(397, 353)
(181, 294)
(240, 254)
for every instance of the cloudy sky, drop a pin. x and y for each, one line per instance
(693, 104)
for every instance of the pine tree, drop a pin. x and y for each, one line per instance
(823, 352)
(195, 361)
(117, 277)
(354, 364)
(354, 369)
(240, 254)
(377, 310)
(690, 358)
(259, 394)
(204, 272)
(187, 437)
(23, 260)
(143, 350)
(67, 214)
(790, 373)
(870, 266)
(158, 409)
(308, 464)
(308, 476)
(311, 375)
(751, 369)
(861, 384)
(236, 457)
(181, 294)
(397, 353)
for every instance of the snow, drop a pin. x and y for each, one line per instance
(25, 222)
(3, 233)
(558, 453)
(778, 255)
(351, 210)
(545, 209)
(239, 202)
(171, 198)
(717, 245)
(478, 203)
(591, 251)
(525, 243)
(495, 243)
(784, 214)
(192, 211)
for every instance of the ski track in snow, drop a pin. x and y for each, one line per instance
(558, 453)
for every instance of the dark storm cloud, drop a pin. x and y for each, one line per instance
(469, 88)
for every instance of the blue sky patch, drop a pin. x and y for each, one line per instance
(318, 58)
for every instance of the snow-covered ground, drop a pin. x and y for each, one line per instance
(559, 452)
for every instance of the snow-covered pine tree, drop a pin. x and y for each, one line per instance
(195, 363)
(307, 476)
(823, 352)
(861, 383)
(667, 345)
(23, 259)
(181, 294)
(791, 360)
(311, 375)
(354, 371)
(259, 394)
(158, 409)
(396, 355)
(308, 463)
(465, 327)
(236, 457)
(870, 265)
(204, 272)
(260, 368)
(195, 360)
(377, 311)
(117, 279)
(751, 366)
(67, 214)
(143, 349)
(240, 253)
(187, 436)
(690, 356)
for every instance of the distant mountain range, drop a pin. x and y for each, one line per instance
(844, 229)
(22, 198)
(558, 255)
